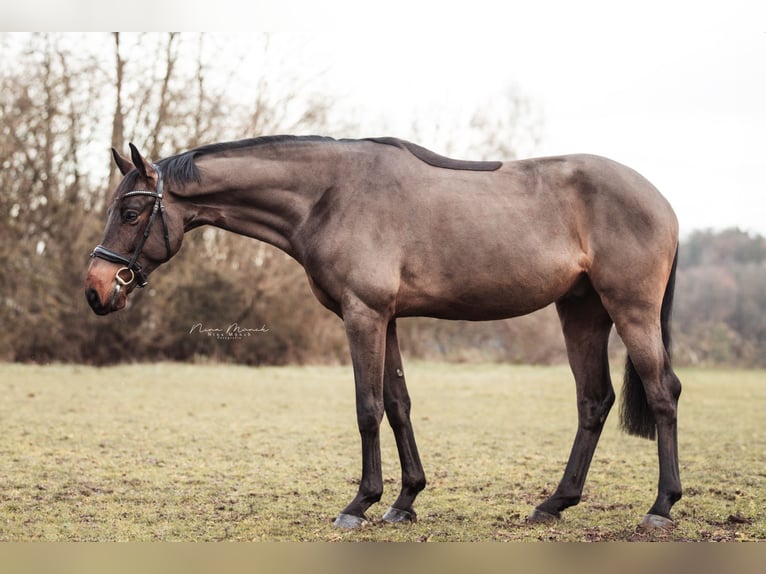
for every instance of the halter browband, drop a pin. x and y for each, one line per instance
(132, 264)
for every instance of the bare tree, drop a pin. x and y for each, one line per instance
(118, 123)
(46, 113)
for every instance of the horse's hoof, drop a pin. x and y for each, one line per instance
(349, 521)
(655, 521)
(396, 516)
(542, 517)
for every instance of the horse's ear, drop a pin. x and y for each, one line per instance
(123, 163)
(143, 165)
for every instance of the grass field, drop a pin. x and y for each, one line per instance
(206, 453)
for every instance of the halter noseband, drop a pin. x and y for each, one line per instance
(131, 265)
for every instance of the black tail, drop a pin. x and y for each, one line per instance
(635, 415)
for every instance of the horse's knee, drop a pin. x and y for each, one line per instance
(368, 417)
(398, 412)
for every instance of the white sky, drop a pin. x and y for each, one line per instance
(674, 90)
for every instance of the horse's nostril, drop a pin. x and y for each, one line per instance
(92, 296)
(95, 301)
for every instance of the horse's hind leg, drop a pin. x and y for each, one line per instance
(586, 326)
(396, 400)
(647, 352)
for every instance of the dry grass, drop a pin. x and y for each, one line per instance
(183, 452)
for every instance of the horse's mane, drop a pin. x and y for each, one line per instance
(182, 168)
(436, 160)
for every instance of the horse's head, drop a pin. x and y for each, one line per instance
(143, 231)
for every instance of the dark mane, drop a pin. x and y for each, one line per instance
(436, 160)
(182, 169)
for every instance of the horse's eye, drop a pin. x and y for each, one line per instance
(130, 216)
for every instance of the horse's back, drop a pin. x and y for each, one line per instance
(486, 245)
(523, 237)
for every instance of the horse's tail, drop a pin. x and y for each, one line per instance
(636, 417)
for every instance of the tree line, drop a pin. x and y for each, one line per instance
(227, 298)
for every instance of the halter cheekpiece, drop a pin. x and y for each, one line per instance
(131, 265)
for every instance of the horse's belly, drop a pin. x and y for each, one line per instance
(483, 296)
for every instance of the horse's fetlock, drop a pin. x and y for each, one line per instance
(414, 485)
(571, 501)
(374, 494)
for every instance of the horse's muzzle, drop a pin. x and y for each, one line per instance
(99, 307)
(104, 292)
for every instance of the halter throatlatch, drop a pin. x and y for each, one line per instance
(131, 269)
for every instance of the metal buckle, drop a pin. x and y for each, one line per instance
(122, 281)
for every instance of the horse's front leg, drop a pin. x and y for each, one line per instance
(397, 404)
(366, 332)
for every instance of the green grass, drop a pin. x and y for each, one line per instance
(189, 452)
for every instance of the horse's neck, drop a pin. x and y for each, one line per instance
(261, 197)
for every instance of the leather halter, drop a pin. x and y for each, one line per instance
(132, 265)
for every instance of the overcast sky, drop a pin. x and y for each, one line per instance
(676, 90)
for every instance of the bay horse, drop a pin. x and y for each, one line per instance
(386, 229)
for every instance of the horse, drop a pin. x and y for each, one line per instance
(386, 229)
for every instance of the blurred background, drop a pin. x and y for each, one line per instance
(686, 113)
